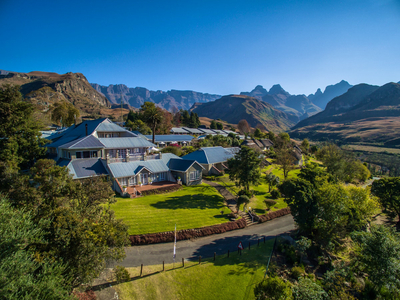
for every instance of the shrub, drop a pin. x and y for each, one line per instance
(245, 193)
(274, 214)
(269, 203)
(273, 288)
(296, 272)
(275, 194)
(121, 274)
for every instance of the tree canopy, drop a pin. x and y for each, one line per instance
(244, 168)
(152, 115)
(388, 192)
(19, 132)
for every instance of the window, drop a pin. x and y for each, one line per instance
(194, 175)
(86, 154)
(162, 176)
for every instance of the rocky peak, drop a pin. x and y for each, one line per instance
(276, 89)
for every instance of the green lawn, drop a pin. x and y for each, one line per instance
(191, 207)
(226, 278)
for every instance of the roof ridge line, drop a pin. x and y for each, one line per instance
(79, 140)
(208, 161)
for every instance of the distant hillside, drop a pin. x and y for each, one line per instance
(299, 105)
(331, 91)
(234, 108)
(45, 88)
(366, 113)
(169, 100)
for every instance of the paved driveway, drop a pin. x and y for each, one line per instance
(205, 246)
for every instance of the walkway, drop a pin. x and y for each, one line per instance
(229, 198)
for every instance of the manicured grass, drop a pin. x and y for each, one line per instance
(191, 207)
(226, 278)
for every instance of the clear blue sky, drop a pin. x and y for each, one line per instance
(221, 47)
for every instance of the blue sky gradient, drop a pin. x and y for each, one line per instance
(221, 47)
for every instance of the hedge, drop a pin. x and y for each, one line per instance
(165, 237)
(274, 214)
(162, 190)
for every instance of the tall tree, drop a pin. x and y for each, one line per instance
(152, 116)
(388, 192)
(19, 132)
(244, 127)
(286, 159)
(213, 124)
(244, 168)
(64, 113)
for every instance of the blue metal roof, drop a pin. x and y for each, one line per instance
(207, 131)
(87, 142)
(181, 165)
(125, 142)
(82, 168)
(170, 138)
(111, 127)
(209, 155)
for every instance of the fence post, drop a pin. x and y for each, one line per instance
(141, 270)
(200, 260)
(258, 243)
(183, 262)
(264, 239)
(163, 266)
(214, 256)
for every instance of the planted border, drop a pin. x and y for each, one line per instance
(274, 214)
(162, 190)
(165, 237)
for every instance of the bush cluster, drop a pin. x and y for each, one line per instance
(165, 237)
(274, 214)
(162, 190)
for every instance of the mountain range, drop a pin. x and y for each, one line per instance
(365, 113)
(171, 100)
(233, 108)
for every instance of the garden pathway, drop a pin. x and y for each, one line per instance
(229, 198)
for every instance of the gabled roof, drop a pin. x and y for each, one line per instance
(209, 155)
(267, 142)
(181, 165)
(217, 131)
(75, 132)
(87, 142)
(82, 168)
(125, 142)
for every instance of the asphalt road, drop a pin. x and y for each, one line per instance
(205, 246)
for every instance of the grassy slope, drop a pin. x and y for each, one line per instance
(226, 278)
(191, 207)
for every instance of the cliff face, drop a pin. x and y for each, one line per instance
(170, 100)
(43, 89)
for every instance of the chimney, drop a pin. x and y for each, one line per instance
(86, 128)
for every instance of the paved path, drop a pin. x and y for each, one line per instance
(229, 198)
(205, 246)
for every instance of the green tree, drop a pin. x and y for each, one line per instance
(152, 115)
(22, 276)
(286, 159)
(244, 168)
(185, 117)
(64, 113)
(378, 253)
(306, 289)
(257, 133)
(19, 132)
(82, 232)
(388, 192)
(305, 146)
(213, 124)
(272, 180)
(194, 120)
(139, 126)
(273, 288)
(220, 126)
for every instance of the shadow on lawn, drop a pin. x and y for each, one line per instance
(200, 201)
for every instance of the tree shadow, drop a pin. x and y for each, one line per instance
(199, 201)
(259, 211)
